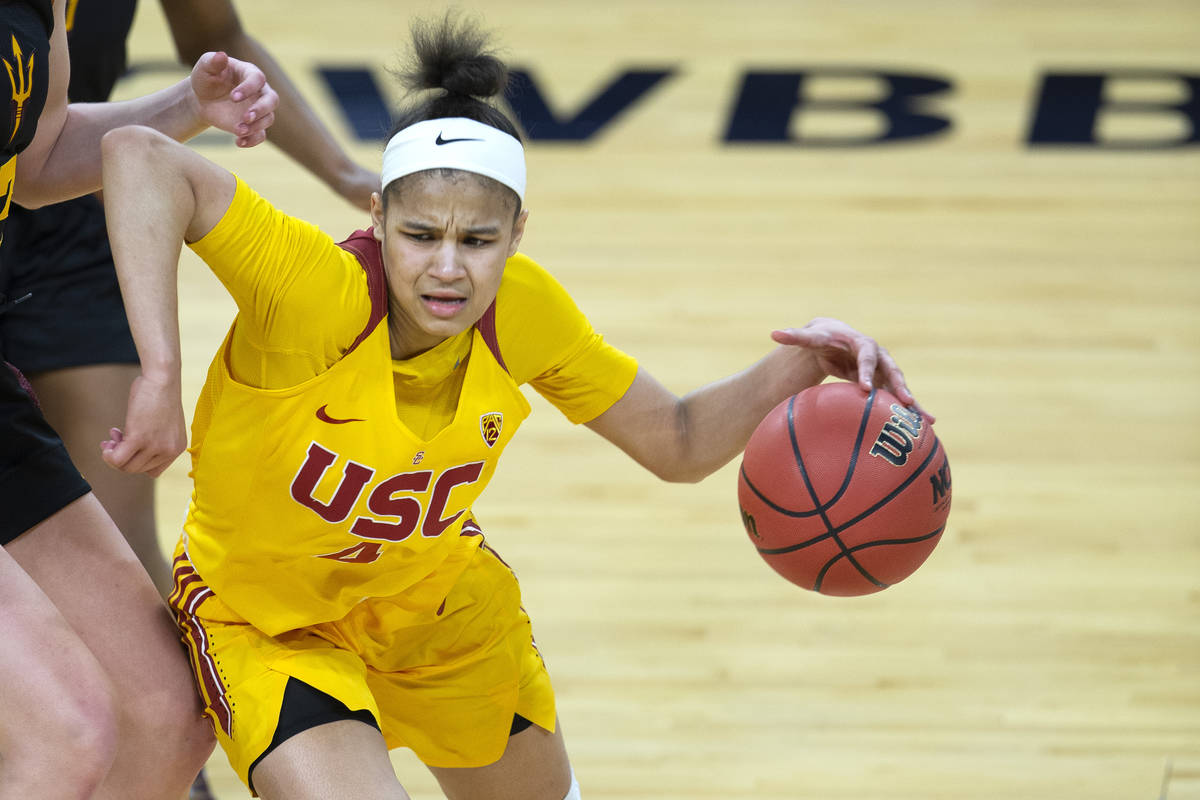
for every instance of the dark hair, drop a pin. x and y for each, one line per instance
(453, 57)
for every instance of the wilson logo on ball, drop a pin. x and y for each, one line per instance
(895, 441)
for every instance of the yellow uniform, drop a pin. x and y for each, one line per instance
(330, 536)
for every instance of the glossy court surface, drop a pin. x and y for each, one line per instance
(1034, 266)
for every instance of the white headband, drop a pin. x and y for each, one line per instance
(456, 143)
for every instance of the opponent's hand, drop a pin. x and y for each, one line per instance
(155, 430)
(234, 96)
(845, 353)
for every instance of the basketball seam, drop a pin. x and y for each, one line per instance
(787, 512)
(834, 530)
(865, 545)
(812, 493)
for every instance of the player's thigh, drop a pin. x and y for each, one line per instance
(87, 570)
(53, 692)
(346, 758)
(82, 403)
(534, 767)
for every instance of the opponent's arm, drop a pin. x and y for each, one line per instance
(63, 161)
(158, 194)
(200, 25)
(688, 438)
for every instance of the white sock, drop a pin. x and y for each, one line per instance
(573, 793)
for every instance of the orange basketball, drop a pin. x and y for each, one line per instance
(844, 492)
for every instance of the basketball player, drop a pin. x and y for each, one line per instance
(95, 697)
(70, 337)
(333, 585)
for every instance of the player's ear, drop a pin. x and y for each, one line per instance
(518, 232)
(377, 215)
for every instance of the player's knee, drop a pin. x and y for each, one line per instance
(69, 747)
(167, 729)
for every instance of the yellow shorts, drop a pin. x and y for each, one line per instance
(445, 684)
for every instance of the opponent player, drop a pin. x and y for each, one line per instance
(70, 337)
(333, 583)
(95, 696)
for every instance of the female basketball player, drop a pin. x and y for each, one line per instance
(332, 583)
(95, 696)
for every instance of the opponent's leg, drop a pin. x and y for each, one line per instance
(534, 767)
(81, 404)
(58, 727)
(343, 759)
(86, 569)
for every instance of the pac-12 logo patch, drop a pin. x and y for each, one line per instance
(490, 426)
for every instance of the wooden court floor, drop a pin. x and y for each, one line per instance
(1043, 300)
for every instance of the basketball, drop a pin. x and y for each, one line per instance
(844, 492)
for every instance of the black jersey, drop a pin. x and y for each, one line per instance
(25, 50)
(72, 234)
(96, 34)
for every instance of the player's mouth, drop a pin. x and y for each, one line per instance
(443, 306)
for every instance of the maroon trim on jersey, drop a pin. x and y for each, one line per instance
(364, 247)
(487, 329)
(185, 599)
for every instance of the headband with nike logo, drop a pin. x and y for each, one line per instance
(456, 143)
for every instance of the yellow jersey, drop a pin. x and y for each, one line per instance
(325, 473)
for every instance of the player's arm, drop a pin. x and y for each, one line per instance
(201, 25)
(63, 160)
(158, 194)
(687, 438)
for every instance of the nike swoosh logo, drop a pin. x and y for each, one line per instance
(440, 141)
(321, 415)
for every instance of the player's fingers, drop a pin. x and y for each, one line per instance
(251, 140)
(893, 378)
(120, 455)
(251, 81)
(801, 337)
(866, 353)
(213, 63)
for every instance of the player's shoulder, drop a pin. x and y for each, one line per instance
(525, 280)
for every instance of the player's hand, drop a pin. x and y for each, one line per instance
(845, 353)
(234, 96)
(155, 429)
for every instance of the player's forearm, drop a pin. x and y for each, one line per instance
(717, 419)
(686, 439)
(71, 165)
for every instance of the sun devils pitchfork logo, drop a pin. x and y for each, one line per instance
(490, 425)
(20, 78)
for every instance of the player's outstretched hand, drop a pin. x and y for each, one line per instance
(155, 430)
(234, 96)
(843, 352)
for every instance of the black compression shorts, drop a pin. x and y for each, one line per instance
(304, 707)
(59, 255)
(37, 478)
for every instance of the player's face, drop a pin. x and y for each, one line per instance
(445, 239)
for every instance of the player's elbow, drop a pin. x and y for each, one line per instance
(676, 458)
(132, 143)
